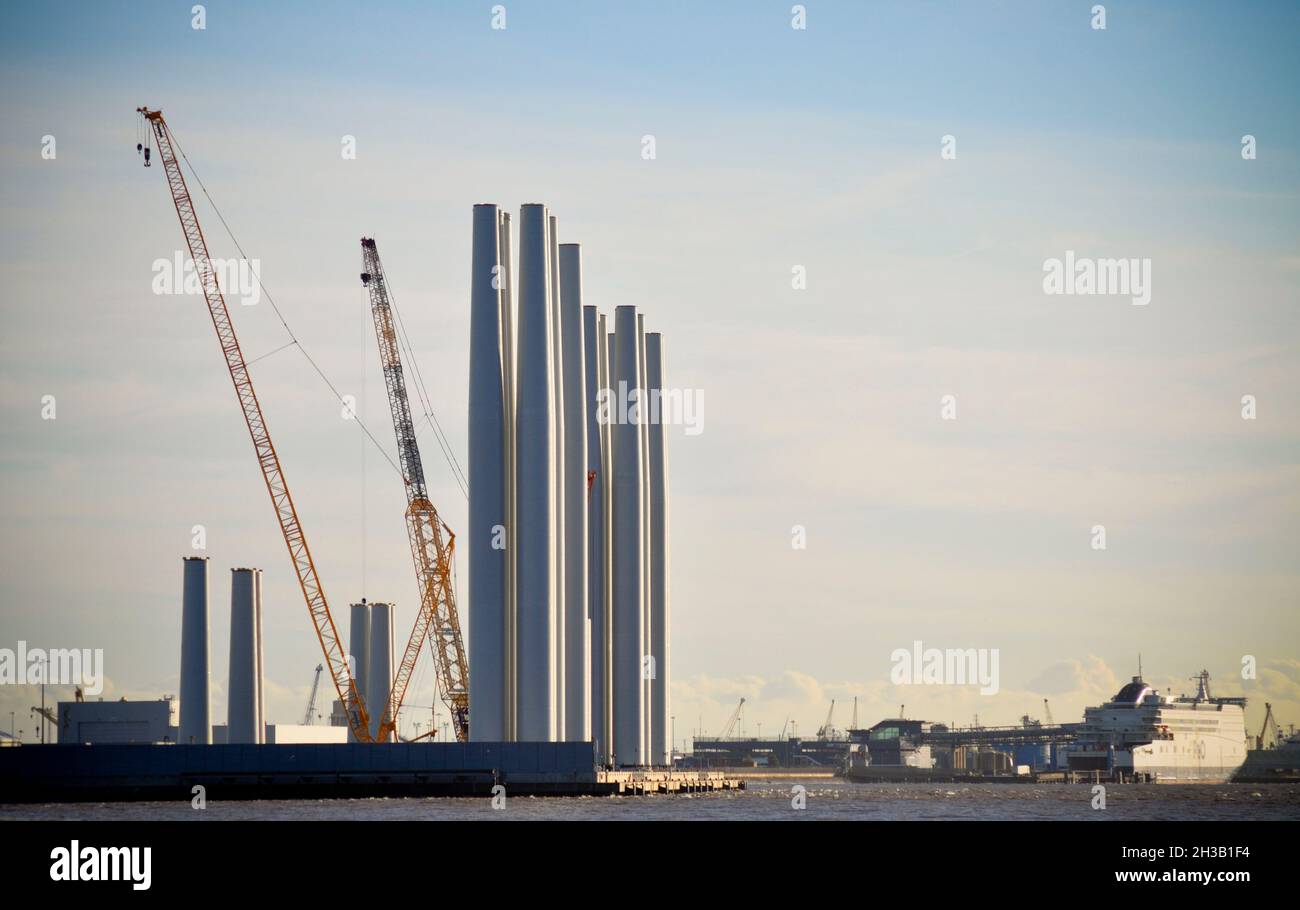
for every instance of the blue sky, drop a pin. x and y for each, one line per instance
(775, 148)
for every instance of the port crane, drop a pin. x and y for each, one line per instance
(825, 731)
(731, 721)
(1269, 721)
(267, 459)
(437, 619)
(309, 716)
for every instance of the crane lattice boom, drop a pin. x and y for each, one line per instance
(437, 618)
(276, 485)
(731, 721)
(309, 716)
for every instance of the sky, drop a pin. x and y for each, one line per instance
(778, 151)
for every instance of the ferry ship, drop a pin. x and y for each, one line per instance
(1144, 735)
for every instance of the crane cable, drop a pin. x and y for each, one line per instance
(293, 338)
(422, 391)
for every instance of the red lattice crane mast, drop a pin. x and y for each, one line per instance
(276, 486)
(437, 618)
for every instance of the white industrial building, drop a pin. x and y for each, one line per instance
(117, 721)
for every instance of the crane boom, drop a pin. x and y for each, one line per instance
(276, 485)
(309, 716)
(437, 618)
(731, 721)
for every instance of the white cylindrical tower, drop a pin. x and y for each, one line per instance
(488, 547)
(657, 469)
(508, 375)
(195, 710)
(577, 620)
(647, 662)
(629, 569)
(379, 680)
(241, 685)
(557, 396)
(261, 680)
(605, 415)
(535, 494)
(359, 652)
(595, 530)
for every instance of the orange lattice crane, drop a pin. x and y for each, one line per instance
(437, 618)
(335, 654)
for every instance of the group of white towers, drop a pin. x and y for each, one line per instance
(568, 565)
(246, 700)
(370, 652)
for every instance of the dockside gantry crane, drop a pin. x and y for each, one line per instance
(267, 459)
(437, 617)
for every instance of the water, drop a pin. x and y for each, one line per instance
(764, 800)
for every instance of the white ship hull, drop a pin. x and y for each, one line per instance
(1143, 735)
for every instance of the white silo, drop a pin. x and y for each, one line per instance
(195, 726)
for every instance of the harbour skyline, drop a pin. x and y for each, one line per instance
(827, 279)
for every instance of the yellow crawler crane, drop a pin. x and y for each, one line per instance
(437, 618)
(335, 654)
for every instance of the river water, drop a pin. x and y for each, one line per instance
(763, 800)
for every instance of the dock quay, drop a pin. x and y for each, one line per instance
(136, 772)
(643, 783)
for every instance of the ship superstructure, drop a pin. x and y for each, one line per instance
(1143, 734)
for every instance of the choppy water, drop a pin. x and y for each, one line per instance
(764, 800)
